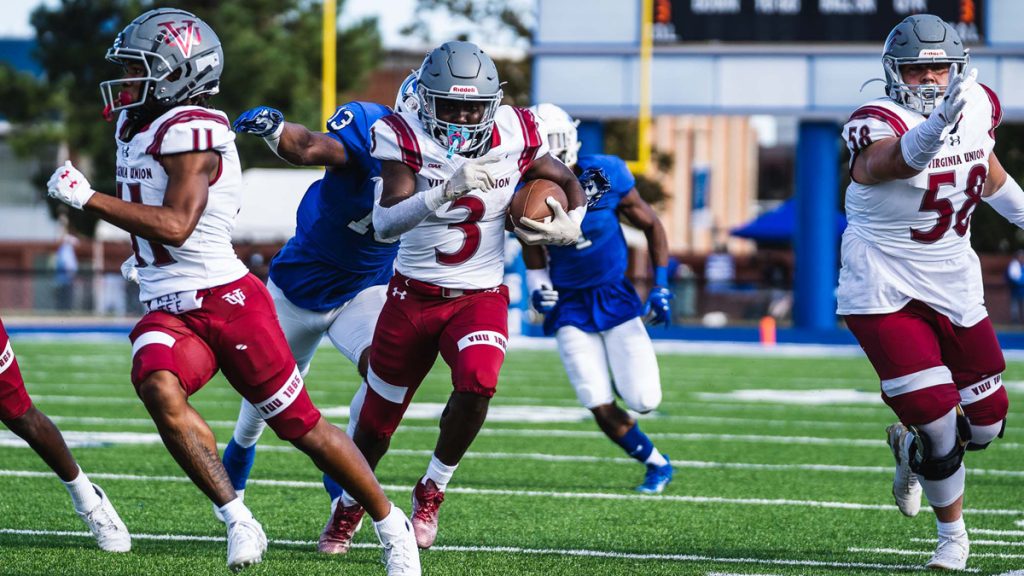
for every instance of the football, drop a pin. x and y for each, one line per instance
(530, 202)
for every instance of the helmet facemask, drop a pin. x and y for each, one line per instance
(463, 139)
(115, 95)
(920, 98)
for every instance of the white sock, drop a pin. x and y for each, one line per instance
(235, 511)
(656, 458)
(347, 500)
(249, 427)
(83, 495)
(392, 525)
(439, 472)
(951, 529)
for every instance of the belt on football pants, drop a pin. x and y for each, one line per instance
(434, 291)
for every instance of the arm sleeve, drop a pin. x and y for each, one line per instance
(192, 130)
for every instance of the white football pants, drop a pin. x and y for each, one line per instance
(350, 328)
(626, 349)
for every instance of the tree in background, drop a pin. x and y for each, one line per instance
(272, 55)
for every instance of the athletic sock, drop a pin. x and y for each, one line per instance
(83, 494)
(333, 489)
(640, 447)
(439, 472)
(238, 461)
(951, 529)
(235, 511)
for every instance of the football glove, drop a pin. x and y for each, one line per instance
(69, 186)
(955, 99)
(544, 299)
(562, 230)
(922, 142)
(260, 121)
(472, 175)
(657, 309)
(128, 270)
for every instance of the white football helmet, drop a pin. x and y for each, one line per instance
(406, 100)
(561, 131)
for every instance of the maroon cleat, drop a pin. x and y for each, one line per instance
(426, 499)
(341, 526)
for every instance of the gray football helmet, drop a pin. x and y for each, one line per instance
(459, 71)
(921, 39)
(182, 56)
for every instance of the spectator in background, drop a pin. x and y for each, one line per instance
(66, 269)
(719, 270)
(1015, 278)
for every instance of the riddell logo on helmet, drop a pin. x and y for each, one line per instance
(184, 36)
(932, 53)
(458, 89)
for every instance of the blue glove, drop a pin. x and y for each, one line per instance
(657, 310)
(262, 121)
(544, 299)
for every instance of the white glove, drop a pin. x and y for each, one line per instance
(472, 175)
(70, 186)
(128, 270)
(561, 230)
(923, 142)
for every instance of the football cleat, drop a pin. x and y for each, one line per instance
(951, 553)
(905, 487)
(246, 544)
(344, 522)
(426, 499)
(656, 478)
(401, 554)
(104, 523)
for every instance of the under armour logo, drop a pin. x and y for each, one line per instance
(236, 297)
(400, 293)
(954, 140)
(124, 151)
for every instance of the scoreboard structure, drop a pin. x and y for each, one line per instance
(807, 59)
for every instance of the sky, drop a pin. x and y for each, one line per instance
(16, 20)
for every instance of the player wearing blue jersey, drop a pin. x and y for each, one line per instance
(593, 310)
(330, 278)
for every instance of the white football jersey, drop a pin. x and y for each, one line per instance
(911, 239)
(207, 258)
(462, 244)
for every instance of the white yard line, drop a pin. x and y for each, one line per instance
(974, 542)
(987, 532)
(901, 552)
(537, 493)
(513, 550)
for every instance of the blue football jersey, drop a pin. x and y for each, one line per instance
(334, 254)
(593, 291)
(600, 255)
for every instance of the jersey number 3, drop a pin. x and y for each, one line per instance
(932, 203)
(469, 227)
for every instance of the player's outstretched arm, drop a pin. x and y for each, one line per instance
(292, 142)
(1003, 193)
(657, 310)
(904, 157)
(188, 187)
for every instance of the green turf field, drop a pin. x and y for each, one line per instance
(761, 487)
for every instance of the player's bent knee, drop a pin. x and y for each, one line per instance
(646, 401)
(982, 436)
(288, 410)
(160, 388)
(481, 380)
(928, 463)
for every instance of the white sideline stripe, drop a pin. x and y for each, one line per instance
(930, 552)
(975, 542)
(535, 493)
(513, 550)
(987, 532)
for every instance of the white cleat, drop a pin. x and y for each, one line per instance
(951, 554)
(246, 544)
(905, 487)
(401, 554)
(104, 523)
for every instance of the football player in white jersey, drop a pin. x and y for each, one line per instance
(448, 174)
(910, 287)
(179, 188)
